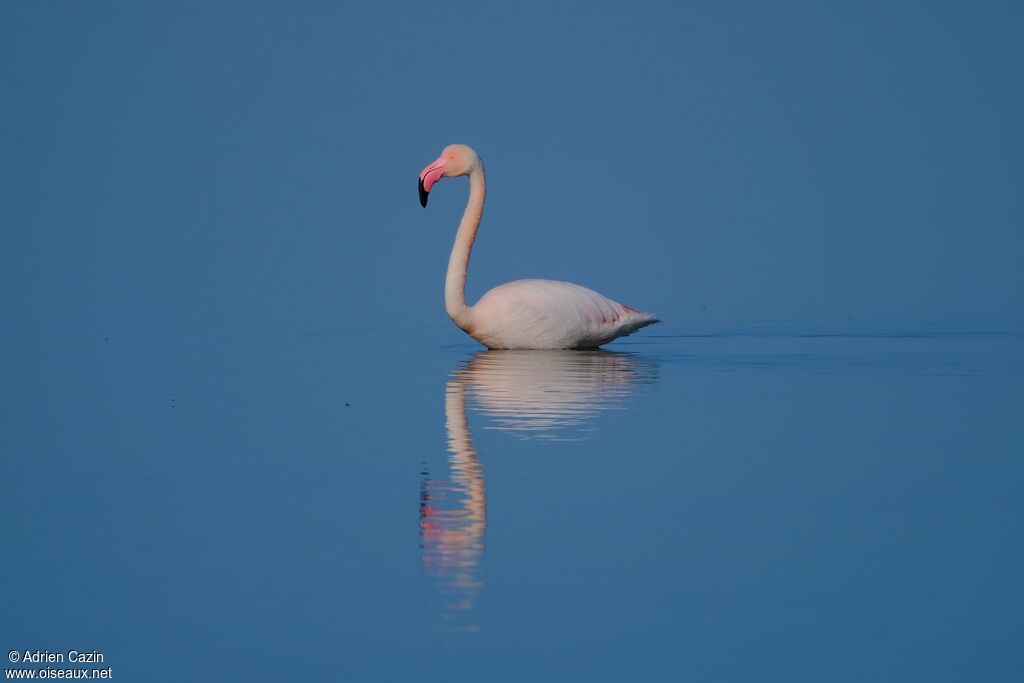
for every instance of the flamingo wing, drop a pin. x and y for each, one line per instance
(549, 314)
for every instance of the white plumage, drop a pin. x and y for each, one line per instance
(525, 314)
(548, 314)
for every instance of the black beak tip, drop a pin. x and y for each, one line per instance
(423, 195)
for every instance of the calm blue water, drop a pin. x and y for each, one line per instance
(778, 500)
(240, 441)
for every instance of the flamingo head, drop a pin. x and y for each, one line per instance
(454, 161)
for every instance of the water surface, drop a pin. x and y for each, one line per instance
(775, 500)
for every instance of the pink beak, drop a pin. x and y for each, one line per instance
(430, 175)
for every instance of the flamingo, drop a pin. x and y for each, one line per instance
(523, 314)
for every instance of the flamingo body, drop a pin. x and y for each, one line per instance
(525, 314)
(548, 314)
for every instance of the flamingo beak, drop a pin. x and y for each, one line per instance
(430, 175)
(423, 195)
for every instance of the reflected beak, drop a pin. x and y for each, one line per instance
(430, 175)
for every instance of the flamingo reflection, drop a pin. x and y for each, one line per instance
(552, 395)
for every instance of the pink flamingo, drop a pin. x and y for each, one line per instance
(524, 314)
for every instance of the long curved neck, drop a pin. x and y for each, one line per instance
(458, 263)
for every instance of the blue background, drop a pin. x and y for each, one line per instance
(225, 353)
(194, 164)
